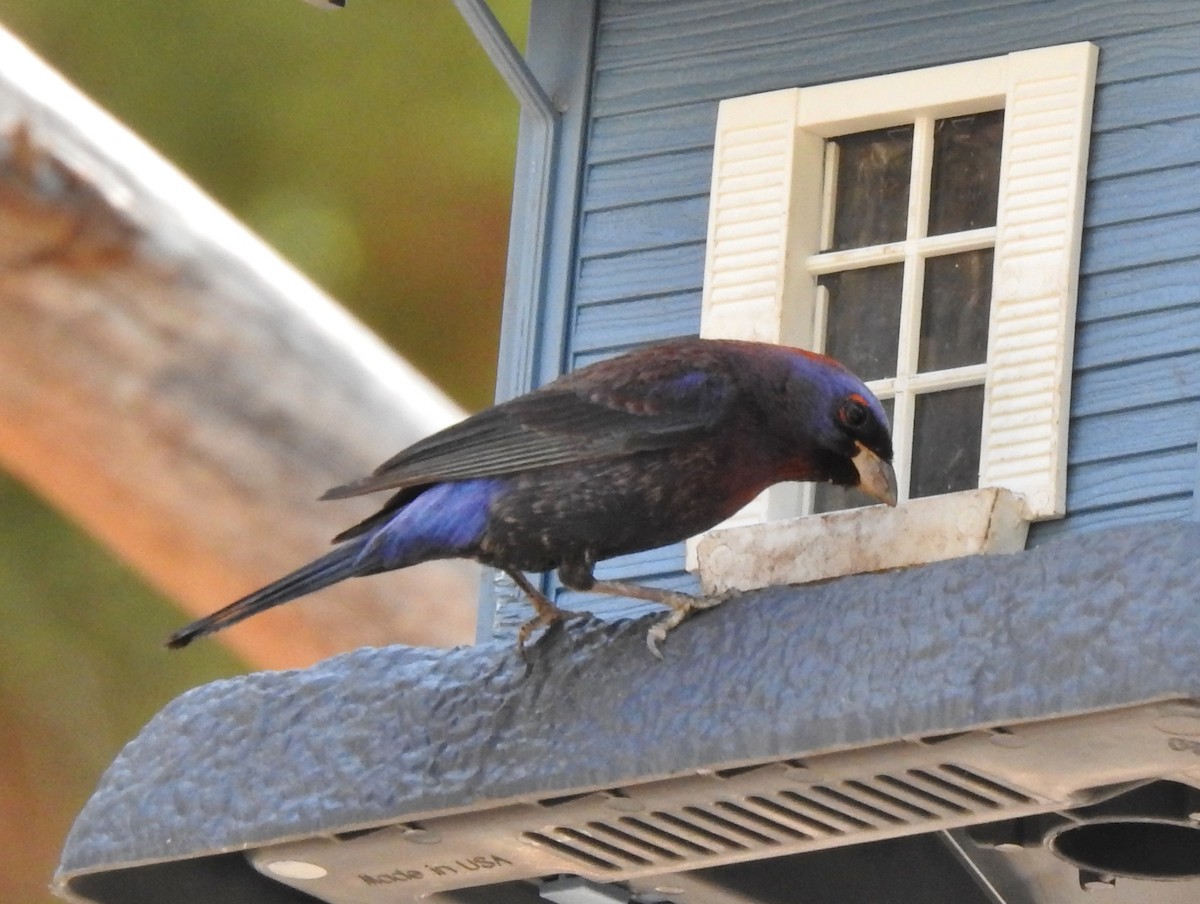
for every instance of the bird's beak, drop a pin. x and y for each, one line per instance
(875, 476)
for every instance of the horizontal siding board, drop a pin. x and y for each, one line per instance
(1142, 196)
(1131, 433)
(661, 271)
(1169, 284)
(640, 134)
(1143, 384)
(1168, 509)
(1141, 336)
(1138, 244)
(663, 33)
(1145, 148)
(592, 355)
(1155, 51)
(1148, 100)
(643, 226)
(642, 179)
(628, 322)
(664, 561)
(788, 56)
(1158, 97)
(1106, 484)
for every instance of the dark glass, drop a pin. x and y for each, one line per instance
(955, 310)
(874, 170)
(830, 498)
(965, 183)
(946, 432)
(862, 328)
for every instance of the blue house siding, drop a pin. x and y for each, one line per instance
(660, 70)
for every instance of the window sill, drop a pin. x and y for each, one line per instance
(818, 547)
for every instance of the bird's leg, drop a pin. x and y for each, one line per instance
(681, 605)
(545, 612)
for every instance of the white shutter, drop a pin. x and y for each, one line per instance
(764, 220)
(1047, 125)
(764, 214)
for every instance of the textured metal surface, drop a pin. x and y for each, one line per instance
(1017, 784)
(377, 735)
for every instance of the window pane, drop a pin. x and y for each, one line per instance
(966, 172)
(874, 169)
(862, 326)
(830, 498)
(955, 310)
(946, 431)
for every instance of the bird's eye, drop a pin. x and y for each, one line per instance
(854, 413)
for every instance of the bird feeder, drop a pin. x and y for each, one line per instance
(949, 727)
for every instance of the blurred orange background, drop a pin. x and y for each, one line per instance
(374, 147)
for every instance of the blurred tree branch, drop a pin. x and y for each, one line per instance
(183, 393)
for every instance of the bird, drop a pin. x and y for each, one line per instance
(627, 454)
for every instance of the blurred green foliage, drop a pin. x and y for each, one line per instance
(81, 670)
(374, 147)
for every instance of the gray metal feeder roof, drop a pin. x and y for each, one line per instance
(377, 736)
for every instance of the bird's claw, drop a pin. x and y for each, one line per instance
(549, 618)
(682, 606)
(658, 631)
(546, 614)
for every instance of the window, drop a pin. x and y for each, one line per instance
(924, 228)
(904, 286)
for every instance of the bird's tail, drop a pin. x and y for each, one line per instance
(336, 565)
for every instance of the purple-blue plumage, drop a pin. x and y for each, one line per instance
(628, 454)
(445, 522)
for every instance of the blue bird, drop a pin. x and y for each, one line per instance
(628, 454)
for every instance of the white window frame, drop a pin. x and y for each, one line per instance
(764, 254)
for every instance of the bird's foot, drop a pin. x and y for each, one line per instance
(549, 617)
(546, 613)
(681, 605)
(679, 612)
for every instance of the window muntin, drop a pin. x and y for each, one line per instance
(915, 330)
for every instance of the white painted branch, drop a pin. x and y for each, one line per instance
(178, 389)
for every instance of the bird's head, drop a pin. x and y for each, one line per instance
(840, 425)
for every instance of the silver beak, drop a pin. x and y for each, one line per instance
(876, 477)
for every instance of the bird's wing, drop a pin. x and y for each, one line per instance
(596, 416)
